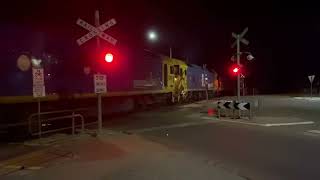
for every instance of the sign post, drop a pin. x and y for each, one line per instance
(311, 78)
(38, 91)
(100, 86)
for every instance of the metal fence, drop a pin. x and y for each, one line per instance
(36, 121)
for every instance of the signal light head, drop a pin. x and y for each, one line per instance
(108, 57)
(235, 70)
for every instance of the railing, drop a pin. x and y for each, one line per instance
(73, 116)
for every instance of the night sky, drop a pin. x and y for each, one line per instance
(284, 38)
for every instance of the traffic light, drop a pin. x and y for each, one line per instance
(108, 57)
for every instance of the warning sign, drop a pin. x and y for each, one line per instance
(38, 83)
(100, 83)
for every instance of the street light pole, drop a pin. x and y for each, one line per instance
(238, 63)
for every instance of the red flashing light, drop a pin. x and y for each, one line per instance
(108, 57)
(235, 70)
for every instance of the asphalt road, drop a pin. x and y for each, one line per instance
(253, 151)
(284, 106)
(273, 145)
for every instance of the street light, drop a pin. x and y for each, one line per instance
(152, 36)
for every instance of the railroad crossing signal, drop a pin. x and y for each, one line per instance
(100, 82)
(96, 31)
(239, 38)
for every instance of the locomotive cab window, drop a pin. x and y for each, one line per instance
(176, 69)
(171, 69)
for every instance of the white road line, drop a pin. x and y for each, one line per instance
(261, 124)
(234, 121)
(289, 124)
(191, 106)
(314, 131)
(308, 98)
(172, 126)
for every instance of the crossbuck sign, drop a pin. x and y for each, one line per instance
(96, 31)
